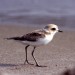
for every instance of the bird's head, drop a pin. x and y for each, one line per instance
(52, 28)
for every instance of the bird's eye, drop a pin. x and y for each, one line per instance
(53, 29)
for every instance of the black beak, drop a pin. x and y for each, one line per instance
(60, 31)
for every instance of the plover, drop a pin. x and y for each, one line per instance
(37, 38)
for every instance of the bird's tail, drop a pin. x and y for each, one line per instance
(13, 38)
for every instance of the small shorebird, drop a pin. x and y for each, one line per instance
(37, 38)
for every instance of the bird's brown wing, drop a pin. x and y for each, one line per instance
(32, 36)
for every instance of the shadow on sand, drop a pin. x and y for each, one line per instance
(69, 72)
(7, 65)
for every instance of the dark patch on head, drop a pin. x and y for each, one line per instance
(53, 29)
(46, 27)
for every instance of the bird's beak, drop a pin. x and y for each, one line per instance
(60, 31)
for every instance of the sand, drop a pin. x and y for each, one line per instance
(58, 55)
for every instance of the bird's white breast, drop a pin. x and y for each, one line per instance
(45, 40)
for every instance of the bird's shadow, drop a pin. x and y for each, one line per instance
(7, 65)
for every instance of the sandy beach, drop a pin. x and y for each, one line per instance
(58, 55)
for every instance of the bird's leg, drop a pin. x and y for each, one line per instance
(35, 59)
(33, 56)
(26, 60)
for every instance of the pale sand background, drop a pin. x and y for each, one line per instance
(58, 55)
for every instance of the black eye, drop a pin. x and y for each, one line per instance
(53, 29)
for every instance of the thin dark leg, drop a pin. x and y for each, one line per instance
(35, 59)
(26, 60)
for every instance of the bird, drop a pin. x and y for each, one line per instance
(37, 38)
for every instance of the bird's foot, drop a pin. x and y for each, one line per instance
(28, 63)
(40, 65)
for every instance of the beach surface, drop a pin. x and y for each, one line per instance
(58, 55)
